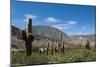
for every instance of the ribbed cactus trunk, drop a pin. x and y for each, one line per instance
(58, 48)
(47, 49)
(52, 49)
(63, 48)
(28, 47)
(61, 39)
(87, 46)
(29, 42)
(28, 38)
(55, 48)
(60, 44)
(29, 29)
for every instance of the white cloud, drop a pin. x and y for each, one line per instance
(30, 16)
(27, 16)
(62, 26)
(51, 19)
(67, 25)
(71, 22)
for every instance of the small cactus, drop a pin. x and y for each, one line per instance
(28, 38)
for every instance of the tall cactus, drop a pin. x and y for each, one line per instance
(87, 46)
(61, 39)
(52, 49)
(63, 48)
(55, 48)
(28, 38)
(47, 49)
(60, 44)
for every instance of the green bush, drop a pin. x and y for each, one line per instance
(35, 49)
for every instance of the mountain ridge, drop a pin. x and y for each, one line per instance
(54, 33)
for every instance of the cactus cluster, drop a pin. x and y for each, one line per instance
(61, 45)
(28, 38)
(59, 48)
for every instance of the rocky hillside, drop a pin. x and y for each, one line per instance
(77, 39)
(50, 32)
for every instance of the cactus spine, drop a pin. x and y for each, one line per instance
(28, 38)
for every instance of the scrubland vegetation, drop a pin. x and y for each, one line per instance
(75, 53)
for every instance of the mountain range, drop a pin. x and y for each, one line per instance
(52, 32)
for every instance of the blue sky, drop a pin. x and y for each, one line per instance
(71, 19)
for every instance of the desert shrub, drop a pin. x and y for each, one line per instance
(35, 49)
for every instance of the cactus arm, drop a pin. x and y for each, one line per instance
(23, 35)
